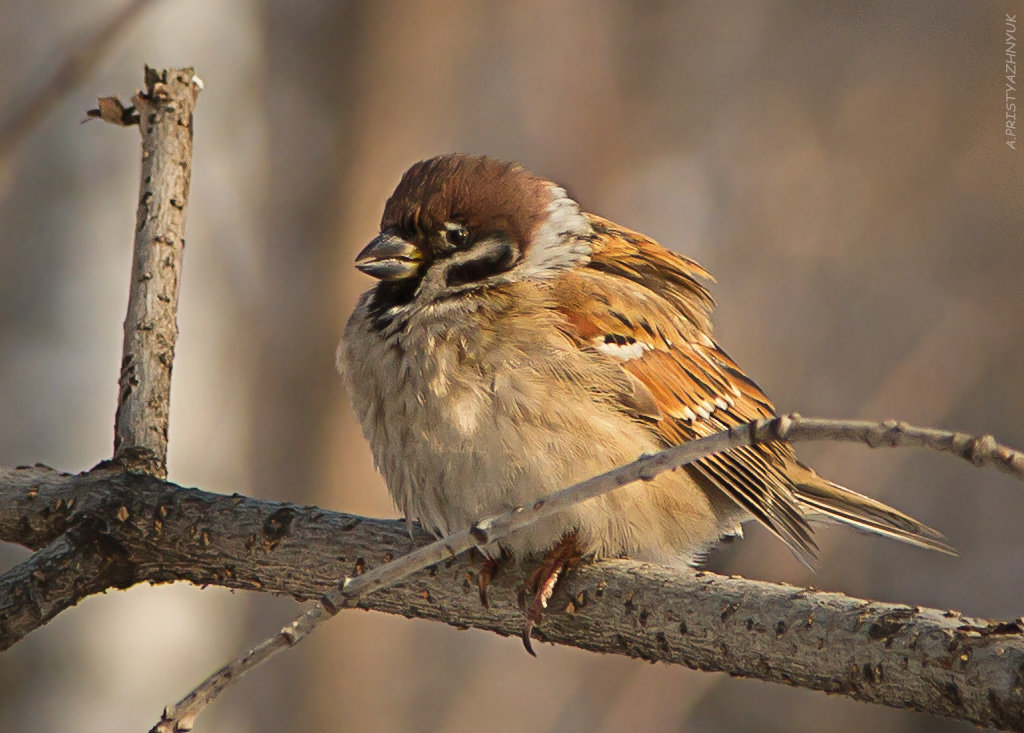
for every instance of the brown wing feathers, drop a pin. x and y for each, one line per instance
(654, 320)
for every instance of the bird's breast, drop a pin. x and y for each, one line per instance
(466, 420)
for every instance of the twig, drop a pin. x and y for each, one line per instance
(70, 72)
(979, 451)
(930, 660)
(151, 327)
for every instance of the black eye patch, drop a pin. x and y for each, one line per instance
(487, 258)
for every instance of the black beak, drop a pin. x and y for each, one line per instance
(389, 257)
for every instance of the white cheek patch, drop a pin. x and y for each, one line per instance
(621, 348)
(560, 242)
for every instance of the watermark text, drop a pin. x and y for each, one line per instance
(1010, 72)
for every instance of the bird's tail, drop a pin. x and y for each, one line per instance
(824, 501)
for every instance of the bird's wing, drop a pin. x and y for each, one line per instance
(652, 317)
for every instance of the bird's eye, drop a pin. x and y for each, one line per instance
(456, 235)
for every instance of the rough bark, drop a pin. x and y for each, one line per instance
(151, 530)
(151, 327)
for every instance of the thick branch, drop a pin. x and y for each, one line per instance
(151, 328)
(895, 655)
(78, 563)
(980, 451)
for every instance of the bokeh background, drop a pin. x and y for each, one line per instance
(841, 168)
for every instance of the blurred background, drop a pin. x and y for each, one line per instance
(841, 168)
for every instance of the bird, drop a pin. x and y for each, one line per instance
(515, 344)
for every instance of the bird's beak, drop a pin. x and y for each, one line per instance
(389, 257)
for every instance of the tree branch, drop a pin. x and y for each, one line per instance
(979, 451)
(151, 327)
(924, 659)
(78, 563)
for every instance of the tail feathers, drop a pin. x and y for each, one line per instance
(828, 502)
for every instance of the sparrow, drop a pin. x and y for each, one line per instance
(515, 345)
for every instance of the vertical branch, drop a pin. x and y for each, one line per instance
(151, 328)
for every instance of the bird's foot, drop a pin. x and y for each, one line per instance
(488, 571)
(543, 581)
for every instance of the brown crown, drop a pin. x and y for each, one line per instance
(487, 196)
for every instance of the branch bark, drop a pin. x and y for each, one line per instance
(76, 564)
(928, 660)
(151, 327)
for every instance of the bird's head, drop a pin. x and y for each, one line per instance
(458, 221)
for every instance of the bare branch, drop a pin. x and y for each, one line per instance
(182, 715)
(151, 327)
(979, 451)
(78, 563)
(70, 72)
(886, 654)
(982, 450)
